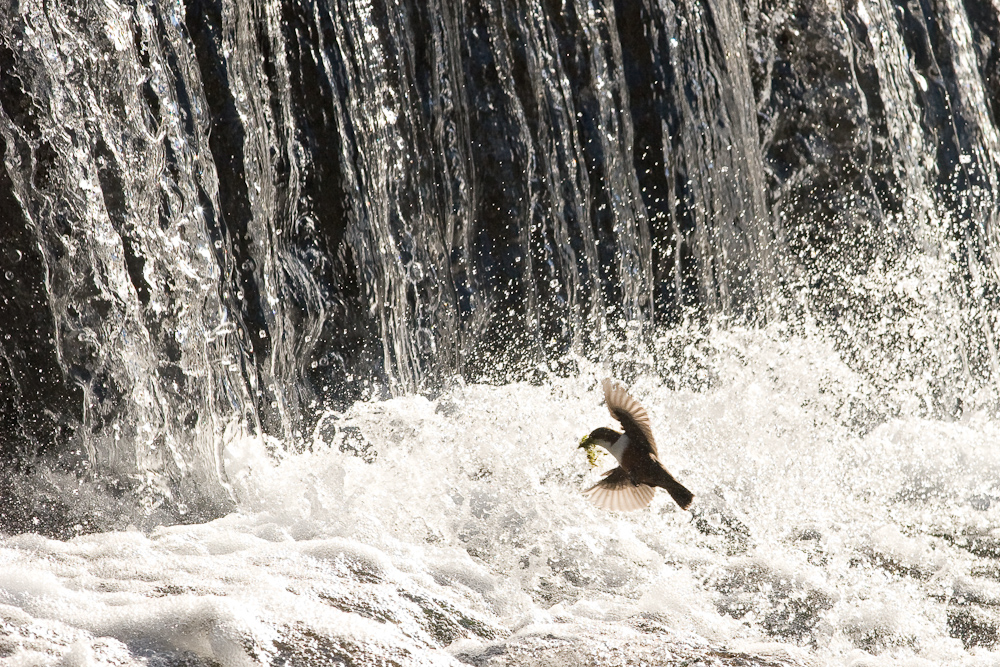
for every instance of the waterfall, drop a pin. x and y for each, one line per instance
(247, 212)
(305, 305)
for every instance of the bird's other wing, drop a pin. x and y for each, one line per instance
(632, 416)
(617, 492)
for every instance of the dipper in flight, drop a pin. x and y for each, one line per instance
(630, 485)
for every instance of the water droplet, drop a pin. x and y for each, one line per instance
(9, 275)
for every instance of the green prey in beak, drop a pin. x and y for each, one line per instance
(593, 452)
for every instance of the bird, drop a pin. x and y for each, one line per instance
(631, 485)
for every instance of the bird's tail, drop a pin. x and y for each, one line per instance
(677, 491)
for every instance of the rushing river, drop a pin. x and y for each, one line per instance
(417, 531)
(305, 305)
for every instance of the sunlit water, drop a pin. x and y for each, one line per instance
(224, 222)
(422, 531)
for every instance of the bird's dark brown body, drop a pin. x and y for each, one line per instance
(630, 485)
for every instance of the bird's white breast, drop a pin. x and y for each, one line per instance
(619, 447)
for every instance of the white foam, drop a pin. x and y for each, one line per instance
(812, 535)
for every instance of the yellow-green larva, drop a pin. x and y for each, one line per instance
(593, 451)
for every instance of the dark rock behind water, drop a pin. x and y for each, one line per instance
(248, 211)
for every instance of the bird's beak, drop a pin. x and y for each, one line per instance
(585, 442)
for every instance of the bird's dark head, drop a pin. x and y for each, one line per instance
(605, 437)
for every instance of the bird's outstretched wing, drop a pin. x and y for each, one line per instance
(617, 492)
(628, 412)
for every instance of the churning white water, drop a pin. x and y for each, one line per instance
(829, 527)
